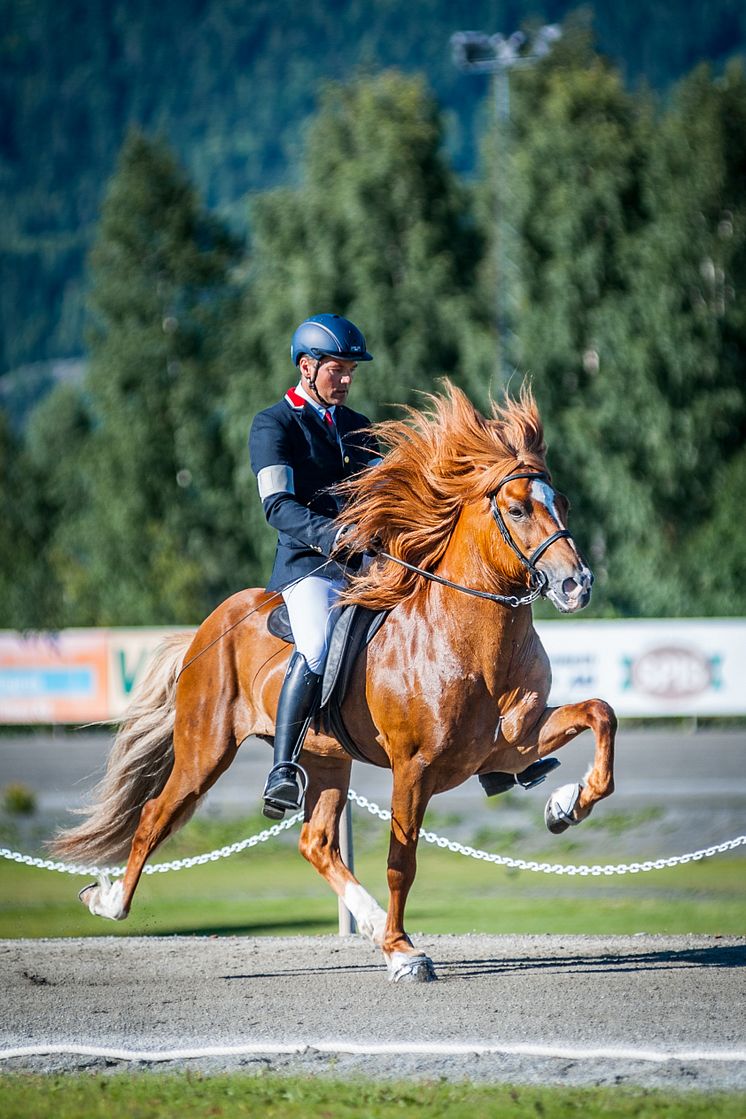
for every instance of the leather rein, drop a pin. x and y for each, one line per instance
(538, 580)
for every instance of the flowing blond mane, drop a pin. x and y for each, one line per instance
(436, 461)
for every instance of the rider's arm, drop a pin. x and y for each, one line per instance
(272, 462)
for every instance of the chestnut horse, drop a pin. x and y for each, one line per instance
(453, 684)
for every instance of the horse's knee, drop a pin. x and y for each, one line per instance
(602, 715)
(315, 845)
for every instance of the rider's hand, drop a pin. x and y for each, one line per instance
(352, 551)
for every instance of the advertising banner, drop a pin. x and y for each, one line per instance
(652, 667)
(128, 653)
(54, 677)
(642, 668)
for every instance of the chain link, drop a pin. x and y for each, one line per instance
(583, 871)
(156, 868)
(445, 844)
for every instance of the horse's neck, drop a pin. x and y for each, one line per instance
(484, 637)
(487, 637)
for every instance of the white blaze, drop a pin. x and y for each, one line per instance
(542, 492)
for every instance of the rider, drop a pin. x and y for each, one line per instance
(300, 448)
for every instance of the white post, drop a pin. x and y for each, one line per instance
(347, 924)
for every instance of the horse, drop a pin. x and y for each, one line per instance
(469, 532)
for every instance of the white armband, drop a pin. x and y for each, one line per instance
(275, 479)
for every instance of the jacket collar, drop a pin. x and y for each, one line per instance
(297, 400)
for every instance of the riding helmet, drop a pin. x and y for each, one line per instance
(329, 336)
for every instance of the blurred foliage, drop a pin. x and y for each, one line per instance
(18, 800)
(613, 225)
(628, 255)
(144, 518)
(233, 85)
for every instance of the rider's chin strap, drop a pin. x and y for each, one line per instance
(539, 579)
(312, 383)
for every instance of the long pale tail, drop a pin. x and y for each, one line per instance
(139, 764)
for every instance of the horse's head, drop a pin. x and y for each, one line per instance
(532, 520)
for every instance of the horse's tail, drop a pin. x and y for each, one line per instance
(138, 767)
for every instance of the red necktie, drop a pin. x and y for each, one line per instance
(329, 421)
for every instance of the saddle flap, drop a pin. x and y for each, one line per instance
(338, 643)
(355, 628)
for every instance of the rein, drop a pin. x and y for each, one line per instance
(538, 578)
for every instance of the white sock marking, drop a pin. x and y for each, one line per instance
(371, 919)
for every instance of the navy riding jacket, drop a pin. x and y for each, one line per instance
(296, 457)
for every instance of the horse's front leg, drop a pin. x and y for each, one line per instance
(326, 797)
(572, 803)
(410, 796)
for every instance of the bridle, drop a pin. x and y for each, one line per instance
(538, 579)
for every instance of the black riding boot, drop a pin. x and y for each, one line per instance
(494, 783)
(296, 707)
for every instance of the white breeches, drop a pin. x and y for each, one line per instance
(309, 604)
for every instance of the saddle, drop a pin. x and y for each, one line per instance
(354, 629)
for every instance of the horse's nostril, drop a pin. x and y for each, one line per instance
(569, 586)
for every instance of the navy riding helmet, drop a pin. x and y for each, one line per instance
(329, 336)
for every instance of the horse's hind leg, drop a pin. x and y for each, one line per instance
(326, 797)
(199, 759)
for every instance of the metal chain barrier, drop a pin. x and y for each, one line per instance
(553, 868)
(583, 871)
(156, 868)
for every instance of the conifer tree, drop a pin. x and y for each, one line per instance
(576, 201)
(379, 231)
(157, 536)
(693, 316)
(631, 241)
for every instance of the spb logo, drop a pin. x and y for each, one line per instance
(672, 672)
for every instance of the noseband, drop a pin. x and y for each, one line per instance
(538, 578)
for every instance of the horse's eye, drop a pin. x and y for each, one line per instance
(516, 512)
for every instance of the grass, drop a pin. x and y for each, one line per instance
(271, 890)
(162, 1096)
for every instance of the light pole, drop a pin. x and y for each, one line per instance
(477, 53)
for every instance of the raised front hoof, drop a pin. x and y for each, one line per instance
(104, 899)
(406, 968)
(558, 814)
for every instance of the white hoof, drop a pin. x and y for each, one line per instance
(404, 967)
(104, 899)
(558, 814)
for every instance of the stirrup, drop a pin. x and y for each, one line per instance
(537, 773)
(275, 809)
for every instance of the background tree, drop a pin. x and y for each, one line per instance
(380, 231)
(578, 145)
(156, 534)
(26, 593)
(629, 249)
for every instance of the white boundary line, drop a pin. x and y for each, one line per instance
(383, 1048)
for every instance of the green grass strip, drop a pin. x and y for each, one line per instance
(187, 1095)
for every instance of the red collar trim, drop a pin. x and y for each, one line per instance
(294, 399)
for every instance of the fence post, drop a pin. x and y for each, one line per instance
(347, 924)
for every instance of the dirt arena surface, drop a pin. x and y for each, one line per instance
(642, 1010)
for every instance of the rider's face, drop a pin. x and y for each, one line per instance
(333, 379)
